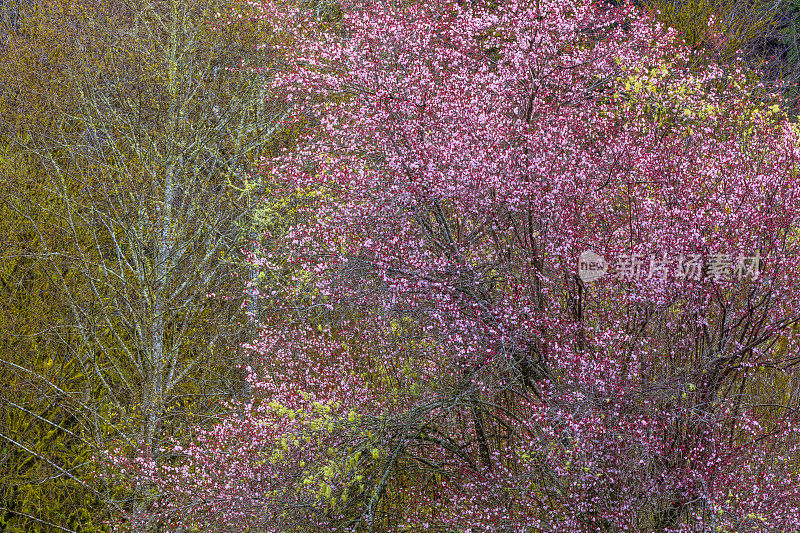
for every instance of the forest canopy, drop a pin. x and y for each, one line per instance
(399, 266)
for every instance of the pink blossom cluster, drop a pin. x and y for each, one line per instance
(440, 366)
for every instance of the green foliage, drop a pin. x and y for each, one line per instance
(766, 33)
(45, 467)
(719, 27)
(47, 477)
(784, 59)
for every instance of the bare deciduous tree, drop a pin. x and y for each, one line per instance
(146, 186)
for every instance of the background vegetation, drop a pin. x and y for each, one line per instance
(127, 132)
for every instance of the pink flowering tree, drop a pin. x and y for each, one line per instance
(441, 360)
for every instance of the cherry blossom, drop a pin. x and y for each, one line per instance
(438, 363)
